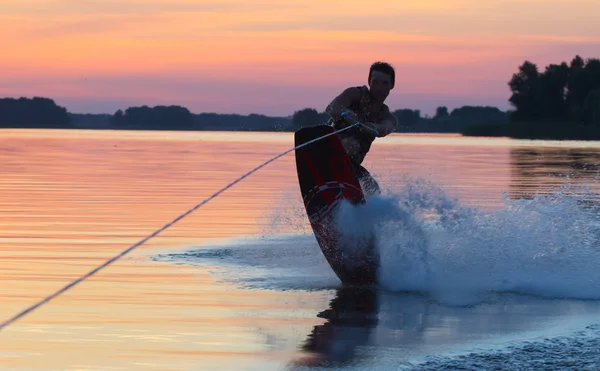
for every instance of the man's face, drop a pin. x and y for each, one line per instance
(380, 85)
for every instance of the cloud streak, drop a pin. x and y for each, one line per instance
(467, 22)
(98, 7)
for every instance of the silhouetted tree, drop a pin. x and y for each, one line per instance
(33, 113)
(155, 118)
(523, 90)
(591, 108)
(441, 113)
(308, 117)
(479, 115)
(408, 117)
(558, 93)
(91, 120)
(575, 93)
(551, 91)
(215, 121)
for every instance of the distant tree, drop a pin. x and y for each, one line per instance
(91, 120)
(576, 93)
(591, 108)
(33, 113)
(522, 86)
(308, 117)
(551, 92)
(154, 118)
(441, 113)
(478, 115)
(118, 119)
(252, 122)
(407, 117)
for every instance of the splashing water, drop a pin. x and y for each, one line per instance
(546, 246)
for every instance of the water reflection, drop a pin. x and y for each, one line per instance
(351, 317)
(542, 170)
(362, 322)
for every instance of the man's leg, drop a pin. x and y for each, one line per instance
(367, 182)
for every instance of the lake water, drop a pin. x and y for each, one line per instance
(480, 269)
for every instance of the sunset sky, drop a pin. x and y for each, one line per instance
(275, 57)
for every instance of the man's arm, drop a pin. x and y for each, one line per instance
(387, 125)
(343, 101)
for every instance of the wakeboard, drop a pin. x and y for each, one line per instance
(326, 179)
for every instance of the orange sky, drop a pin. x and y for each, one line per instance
(277, 56)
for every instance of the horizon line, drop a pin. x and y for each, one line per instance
(31, 97)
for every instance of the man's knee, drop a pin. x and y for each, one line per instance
(368, 184)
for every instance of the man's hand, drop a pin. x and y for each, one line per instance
(386, 126)
(350, 117)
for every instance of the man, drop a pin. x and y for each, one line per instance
(365, 105)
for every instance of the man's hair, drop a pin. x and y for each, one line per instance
(383, 67)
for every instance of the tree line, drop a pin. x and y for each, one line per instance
(412, 121)
(45, 113)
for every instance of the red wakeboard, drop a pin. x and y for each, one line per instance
(326, 179)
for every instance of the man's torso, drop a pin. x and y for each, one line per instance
(357, 144)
